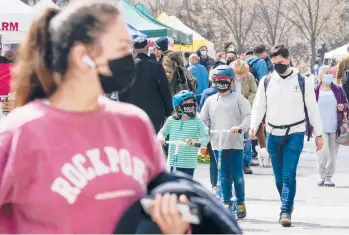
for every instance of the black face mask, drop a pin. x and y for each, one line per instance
(229, 62)
(223, 86)
(188, 109)
(123, 75)
(281, 68)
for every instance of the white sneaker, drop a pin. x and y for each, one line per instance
(263, 157)
(260, 159)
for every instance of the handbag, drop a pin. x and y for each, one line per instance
(343, 138)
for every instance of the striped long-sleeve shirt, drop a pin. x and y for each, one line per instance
(193, 128)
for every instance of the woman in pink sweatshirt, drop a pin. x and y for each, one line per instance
(72, 161)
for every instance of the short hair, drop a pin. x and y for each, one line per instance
(240, 66)
(232, 52)
(249, 53)
(279, 50)
(194, 56)
(259, 49)
(220, 55)
(187, 54)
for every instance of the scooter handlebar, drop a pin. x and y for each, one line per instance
(176, 142)
(223, 131)
(180, 142)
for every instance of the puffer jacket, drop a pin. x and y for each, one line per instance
(168, 59)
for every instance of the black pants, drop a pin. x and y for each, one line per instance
(213, 166)
(158, 122)
(346, 89)
(188, 171)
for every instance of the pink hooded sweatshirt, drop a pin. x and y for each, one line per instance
(74, 172)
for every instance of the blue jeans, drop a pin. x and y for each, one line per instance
(231, 170)
(247, 150)
(285, 161)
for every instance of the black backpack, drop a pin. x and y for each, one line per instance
(301, 81)
(214, 217)
(253, 71)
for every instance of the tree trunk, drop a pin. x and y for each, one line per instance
(313, 53)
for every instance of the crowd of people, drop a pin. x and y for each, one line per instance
(69, 150)
(237, 92)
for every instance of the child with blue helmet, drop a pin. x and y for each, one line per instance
(184, 126)
(228, 110)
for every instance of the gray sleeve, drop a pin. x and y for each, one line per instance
(204, 114)
(245, 109)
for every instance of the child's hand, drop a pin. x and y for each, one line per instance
(191, 142)
(162, 140)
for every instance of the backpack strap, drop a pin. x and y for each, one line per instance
(266, 83)
(301, 81)
(255, 62)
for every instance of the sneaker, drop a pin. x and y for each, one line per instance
(228, 207)
(242, 211)
(254, 162)
(248, 170)
(321, 183)
(329, 183)
(214, 190)
(263, 157)
(285, 220)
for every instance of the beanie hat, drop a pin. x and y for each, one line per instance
(214, 218)
(162, 44)
(140, 43)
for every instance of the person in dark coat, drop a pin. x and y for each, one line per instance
(150, 90)
(205, 60)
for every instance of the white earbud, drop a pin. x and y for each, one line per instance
(87, 60)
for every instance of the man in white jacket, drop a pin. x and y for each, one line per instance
(280, 98)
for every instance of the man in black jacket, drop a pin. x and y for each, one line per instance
(150, 90)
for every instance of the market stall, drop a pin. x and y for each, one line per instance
(338, 53)
(198, 40)
(149, 25)
(15, 20)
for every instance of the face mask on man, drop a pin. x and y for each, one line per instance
(123, 73)
(203, 53)
(223, 86)
(281, 68)
(328, 79)
(230, 61)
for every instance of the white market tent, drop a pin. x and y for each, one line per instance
(198, 40)
(15, 20)
(338, 53)
(42, 4)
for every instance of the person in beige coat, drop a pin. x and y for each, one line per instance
(244, 82)
(246, 85)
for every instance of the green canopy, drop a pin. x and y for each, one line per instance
(143, 21)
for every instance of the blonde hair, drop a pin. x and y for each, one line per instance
(324, 69)
(240, 67)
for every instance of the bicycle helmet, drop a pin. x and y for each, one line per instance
(223, 72)
(182, 96)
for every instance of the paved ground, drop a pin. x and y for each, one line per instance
(317, 210)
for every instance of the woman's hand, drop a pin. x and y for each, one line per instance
(340, 107)
(166, 215)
